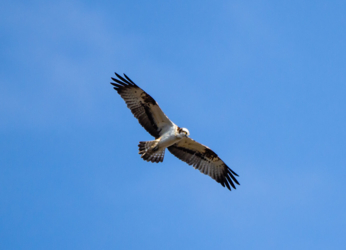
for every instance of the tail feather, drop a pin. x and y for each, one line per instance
(149, 152)
(145, 146)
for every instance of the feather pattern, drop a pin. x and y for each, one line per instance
(146, 149)
(142, 106)
(205, 160)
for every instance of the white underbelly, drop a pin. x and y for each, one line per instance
(168, 140)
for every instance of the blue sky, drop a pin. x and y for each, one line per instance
(261, 83)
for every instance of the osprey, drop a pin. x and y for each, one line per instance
(170, 136)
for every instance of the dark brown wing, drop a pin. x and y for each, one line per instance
(142, 106)
(203, 158)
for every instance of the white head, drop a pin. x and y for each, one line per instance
(184, 132)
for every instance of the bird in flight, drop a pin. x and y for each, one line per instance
(170, 136)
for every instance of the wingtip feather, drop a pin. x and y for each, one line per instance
(128, 78)
(227, 185)
(123, 79)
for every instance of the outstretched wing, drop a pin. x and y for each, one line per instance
(203, 158)
(142, 106)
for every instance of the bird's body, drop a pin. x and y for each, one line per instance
(169, 135)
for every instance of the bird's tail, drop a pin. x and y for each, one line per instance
(150, 151)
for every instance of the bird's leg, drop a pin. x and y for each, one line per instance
(155, 147)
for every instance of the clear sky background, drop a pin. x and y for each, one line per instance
(262, 83)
